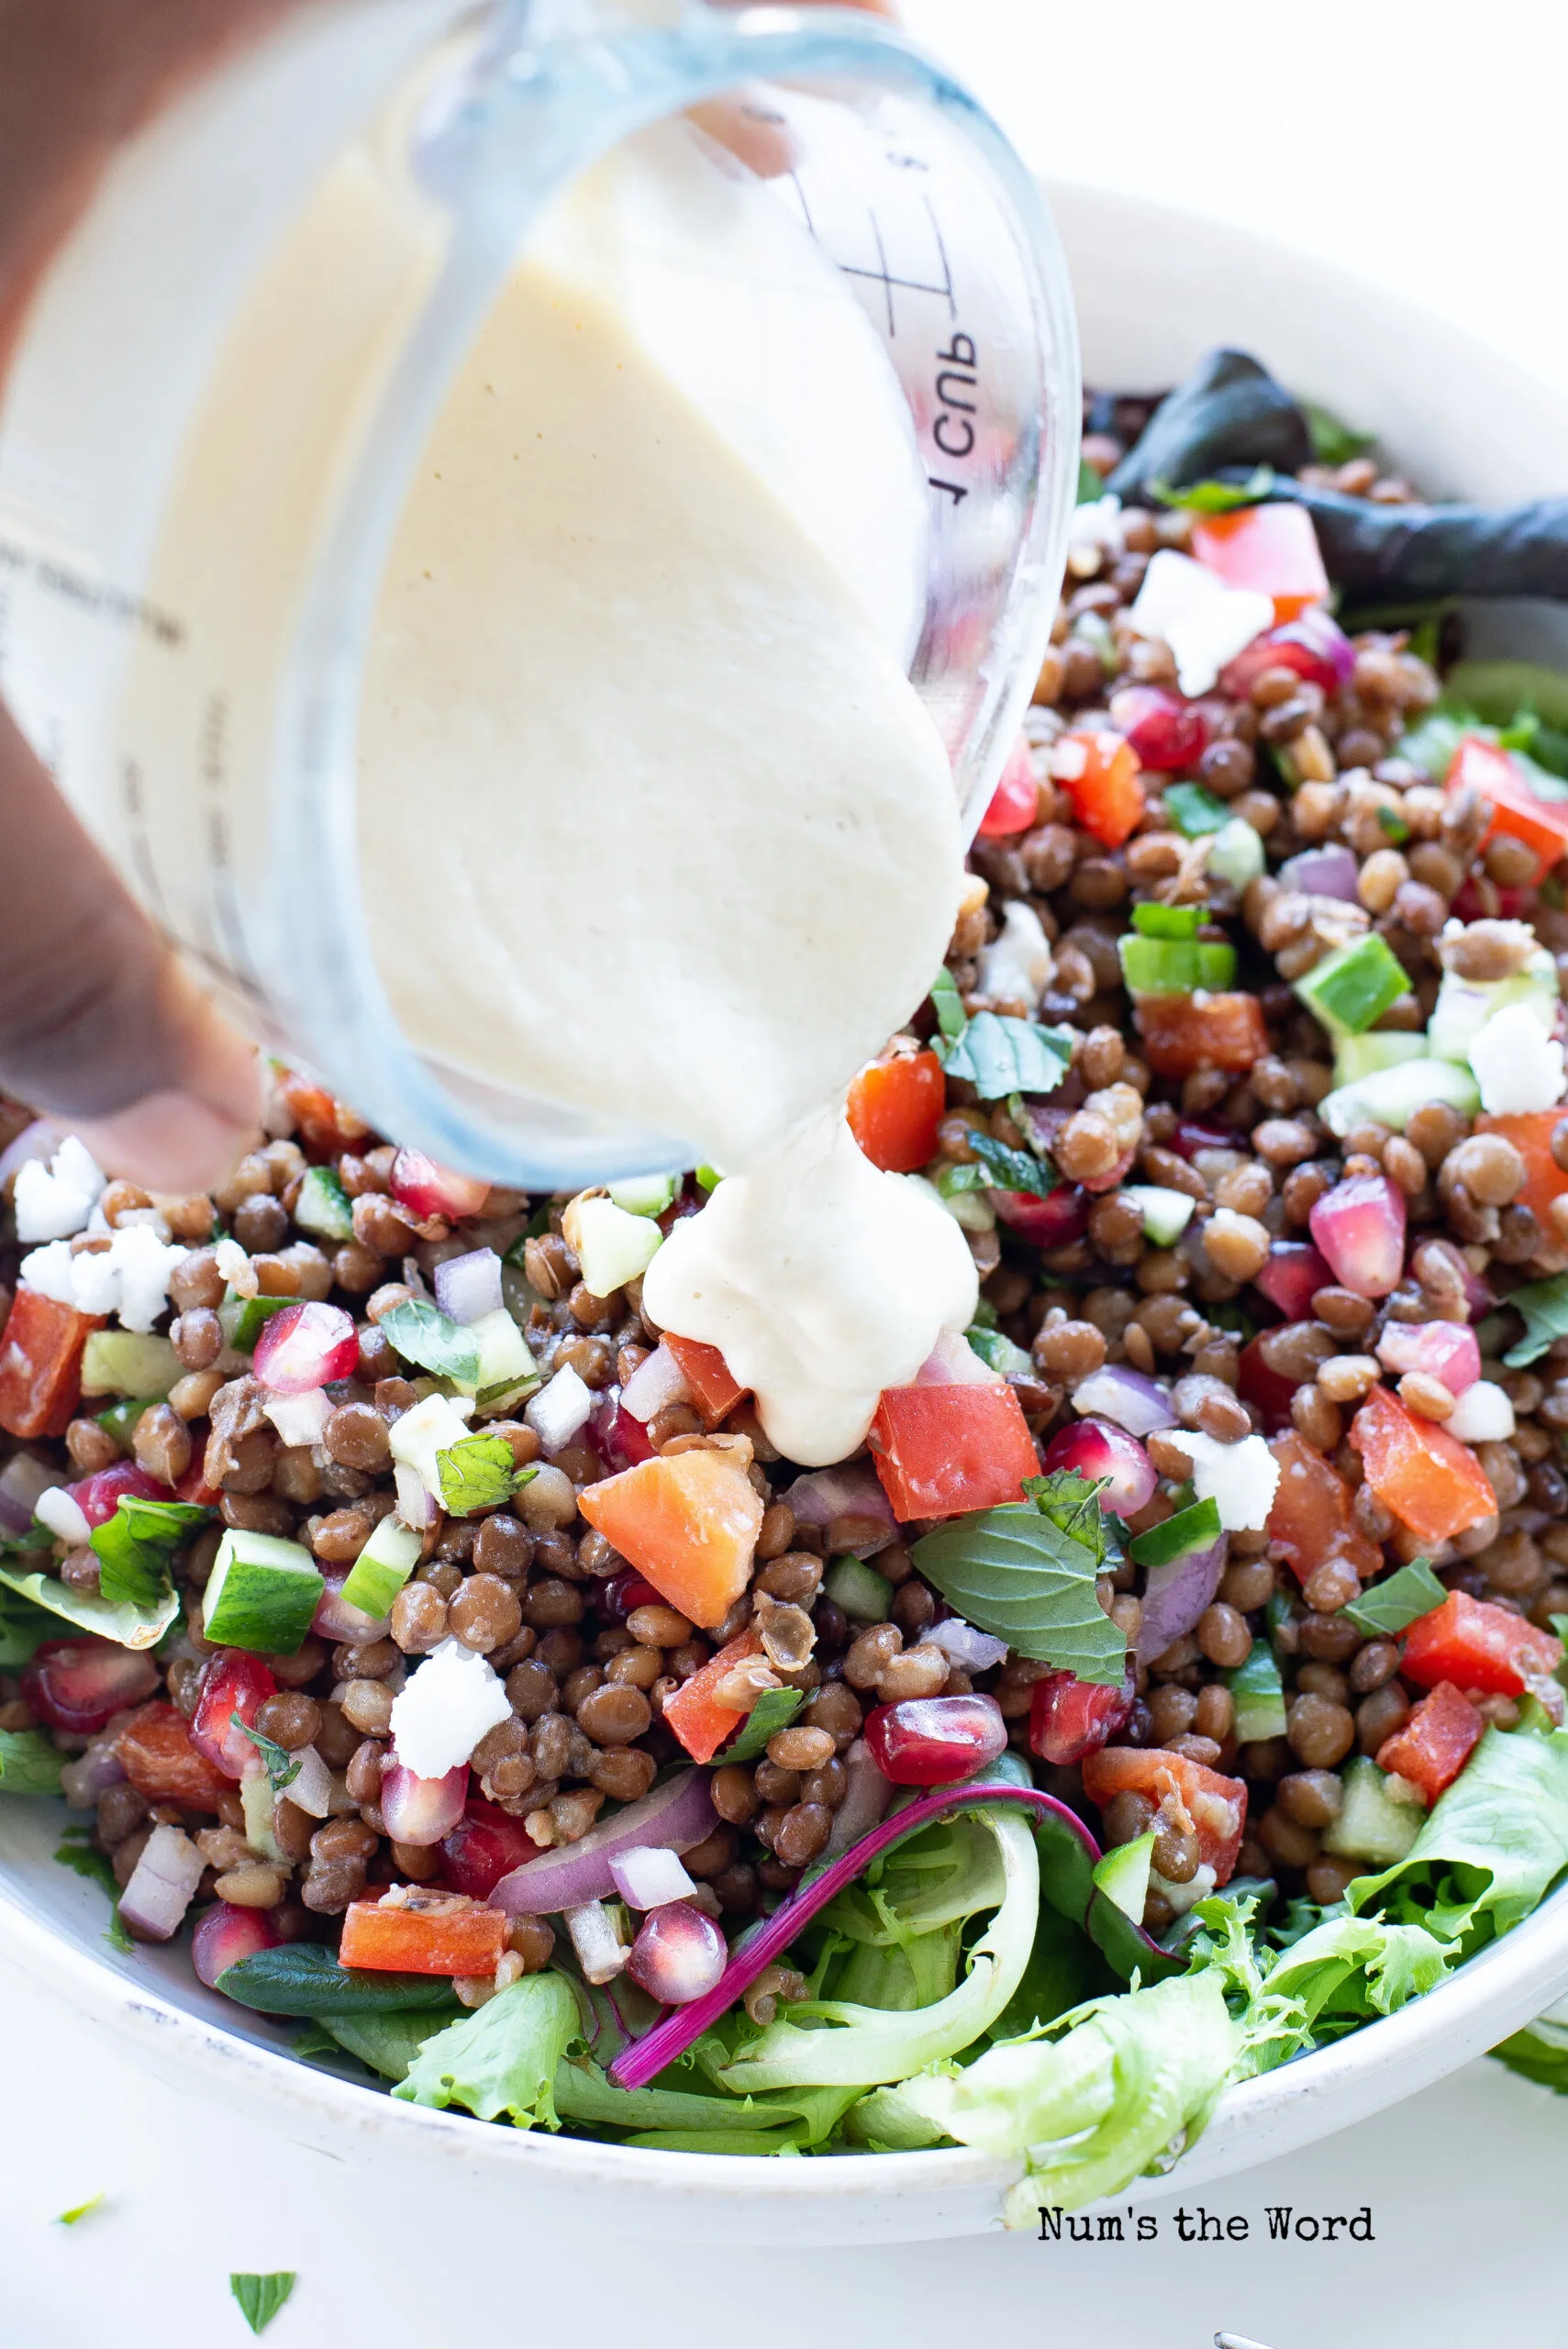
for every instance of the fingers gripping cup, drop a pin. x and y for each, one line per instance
(525, 533)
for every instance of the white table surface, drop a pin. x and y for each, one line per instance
(1223, 109)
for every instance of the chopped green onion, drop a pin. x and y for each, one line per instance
(1174, 965)
(864, 1595)
(1354, 986)
(1167, 921)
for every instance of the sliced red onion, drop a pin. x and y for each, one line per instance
(40, 1140)
(421, 1810)
(1098, 1449)
(335, 1620)
(560, 1410)
(865, 1799)
(952, 1361)
(468, 1287)
(1331, 872)
(22, 1479)
(972, 1650)
(154, 1902)
(648, 2056)
(225, 1935)
(600, 1951)
(673, 1817)
(1176, 1595)
(679, 1955)
(654, 1383)
(853, 1490)
(649, 1876)
(416, 1504)
(83, 1780)
(1130, 1399)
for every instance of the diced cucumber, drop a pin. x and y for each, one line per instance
(1174, 965)
(1257, 1694)
(1236, 855)
(1122, 1874)
(507, 1371)
(611, 1246)
(120, 1419)
(323, 1205)
(1180, 1536)
(382, 1566)
(1359, 1056)
(708, 1178)
(257, 1798)
(646, 1194)
(999, 1353)
(864, 1595)
(119, 1362)
(1347, 990)
(1464, 1006)
(242, 1318)
(1390, 1097)
(1371, 1826)
(1166, 1214)
(970, 1208)
(262, 1594)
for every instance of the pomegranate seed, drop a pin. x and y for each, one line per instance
(79, 1684)
(1016, 800)
(1054, 1222)
(1483, 899)
(225, 1935)
(484, 1846)
(1293, 1276)
(620, 1440)
(1166, 732)
(624, 1593)
(431, 1190)
(97, 1495)
(305, 1346)
(1193, 1135)
(235, 1683)
(679, 1955)
(1313, 644)
(1445, 1349)
(1269, 1390)
(933, 1740)
(1360, 1227)
(422, 1811)
(1070, 1717)
(336, 1621)
(1095, 1449)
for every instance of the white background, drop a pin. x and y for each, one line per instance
(1417, 145)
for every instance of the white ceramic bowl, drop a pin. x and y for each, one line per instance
(1155, 290)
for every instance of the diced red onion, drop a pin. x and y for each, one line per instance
(468, 1287)
(416, 1504)
(1176, 1595)
(226, 1933)
(1127, 1396)
(59, 1510)
(972, 1650)
(679, 1955)
(1360, 1227)
(300, 1419)
(154, 1902)
(417, 1182)
(853, 1490)
(1098, 1448)
(83, 1780)
(620, 1440)
(952, 1361)
(654, 1383)
(560, 1410)
(599, 1949)
(1448, 1351)
(335, 1620)
(649, 1876)
(865, 1802)
(1330, 872)
(313, 1789)
(421, 1810)
(40, 1140)
(22, 1479)
(308, 1345)
(674, 1817)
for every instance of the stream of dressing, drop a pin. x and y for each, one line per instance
(652, 820)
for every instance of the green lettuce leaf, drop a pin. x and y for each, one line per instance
(999, 1055)
(503, 2057)
(124, 1620)
(30, 1763)
(1384, 1608)
(388, 2043)
(75, 1852)
(304, 1979)
(1539, 2053)
(134, 1548)
(1346, 1969)
(23, 1630)
(1015, 1572)
(421, 1333)
(1491, 1848)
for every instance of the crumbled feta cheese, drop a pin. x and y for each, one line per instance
(1183, 1896)
(561, 1409)
(299, 1419)
(1096, 523)
(1517, 1065)
(972, 1650)
(1239, 1478)
(235, 1267)
(63, 1514)
(1483, 1413)
(1205, 623)
(431, 1428)
(445, 1708)
(1017, 966)
(130, 1278)
(54, 1201)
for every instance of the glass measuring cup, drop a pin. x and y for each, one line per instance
(224, 387)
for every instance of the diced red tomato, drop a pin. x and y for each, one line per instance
(1106, 790)
(1478, 1645)
(688, 1521)
(1013, 807)
(327, 1126)
(1070, 1717)
(487, 1844)
(707, 1375)
(1271, 548)
(156, 1753)
(895, 1107)
(193, 1486)
(1184, 1033)
(1542, 824)
(1530, 1131)
(1433, 1483)
(1313, 1519)
(1435, 1742)
(1213, 1807)
(234, 1683)
(437, 1933)
(40, 1363)
(942, 1450)
(700, 1724)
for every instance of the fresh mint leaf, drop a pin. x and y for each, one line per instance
(261, 2297)
(1544, 1304)
(948, 1003)
(279, 1765)
(1012, 1170)
(1015, 1572)
(1194, 810)
(1333, 443)
(1392, 1605)
(421, 1333)
(477, 1474)
(999, 1055)
(76, 1854)
(1215, 497)
(501, 2058)
(304, 1979)
(30, 1763)
(79, 2210)
(135, 1546)
(1073, 1504)
(774, 1711)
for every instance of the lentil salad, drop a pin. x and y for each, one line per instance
(456, 1643)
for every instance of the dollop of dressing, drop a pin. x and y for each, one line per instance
(821, 1280)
